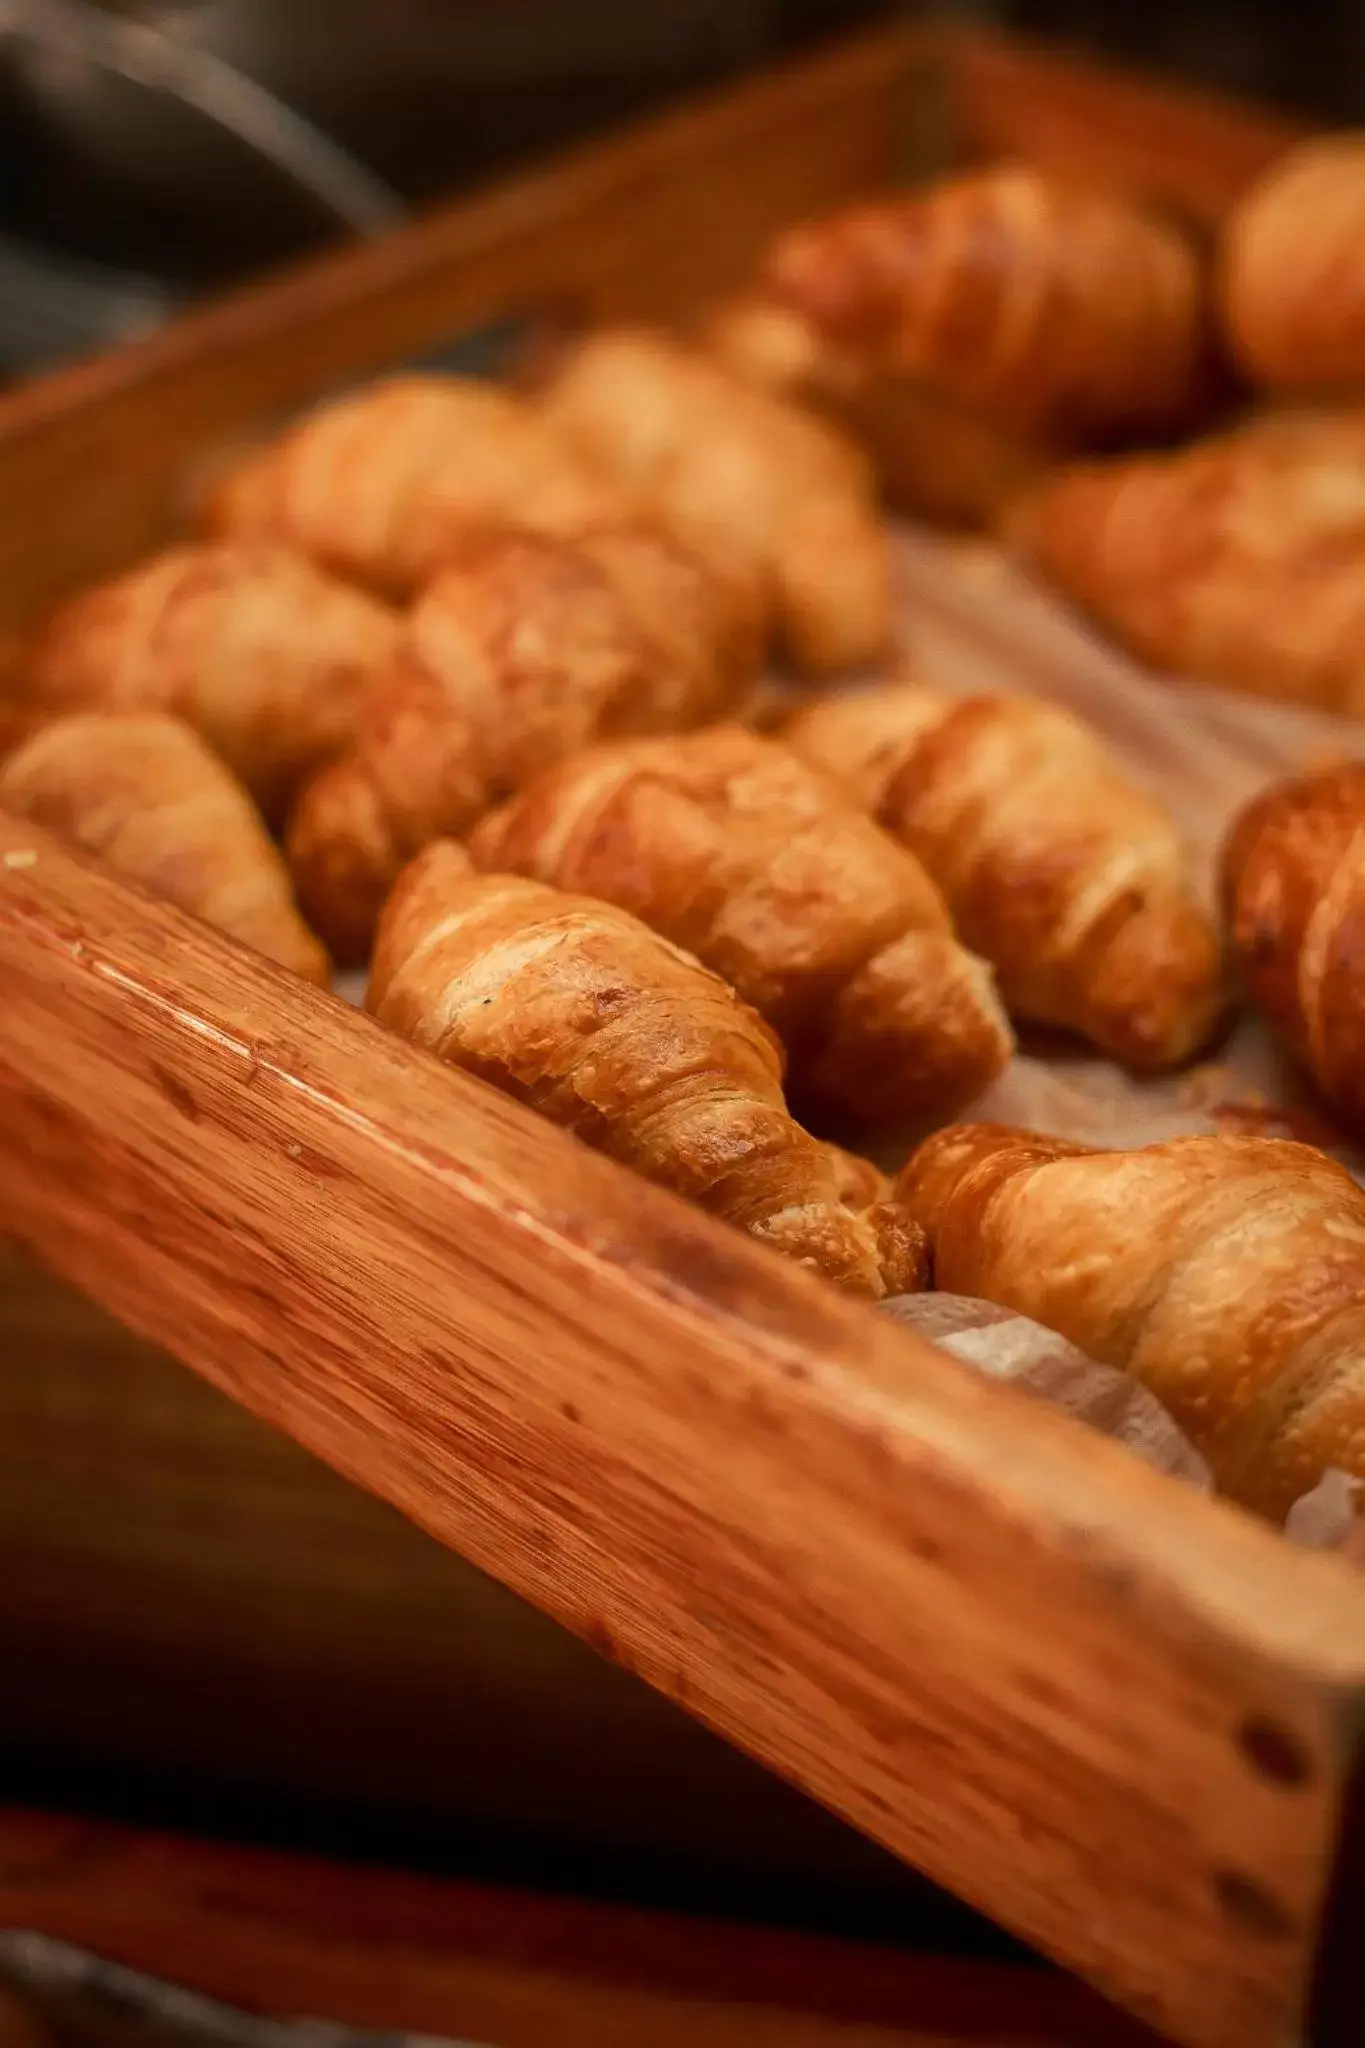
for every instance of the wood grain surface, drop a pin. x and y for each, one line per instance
(994, 1643)
(182, 1588)
(374, 1948)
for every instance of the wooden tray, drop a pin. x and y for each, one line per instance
(1122, 1719)
(404, 1959)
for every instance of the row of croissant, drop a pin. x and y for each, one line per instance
(658, 915)
(1062, 323)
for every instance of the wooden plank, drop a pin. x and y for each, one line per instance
(999, 1646)
(181, 1588)
(372, 1948)
(1196, 152)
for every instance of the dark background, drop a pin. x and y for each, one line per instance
(436, 94)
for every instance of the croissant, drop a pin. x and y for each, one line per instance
(378, 484)
(933, 455)
(1072, 884)
(764, 489)
(1292, 278)
(1043, 303)
(264, 656)
(522, 650)
(143, 794)
(579, 1010)
(779, 347)
(1294, 887)
(1236, 562)
(765, 869)
(1227, 1274)
(858, 1183)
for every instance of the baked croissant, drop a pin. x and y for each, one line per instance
(522, 650)
(1225, 1273)
(262, 654)
(143, 793)
(858, 1183)
(762, 487)
(579, 1010)
(378, 484)
(1236, 562)
(933, 455)
(1294, 887)
(1071, 883)
(765, 869)
(1045, 304)
(1293, 269)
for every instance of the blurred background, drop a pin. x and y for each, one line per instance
(152, 149)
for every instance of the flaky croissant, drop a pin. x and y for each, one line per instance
(769, 872)
(1293, 269)
(608, 1030)
(143, 793)
(1226, 1273)
(1238, 561)
(1070, 882)
(262, 654)
(523, 650)
(1045, 304)
(766, 490)
(1294, 888)
(378, 484)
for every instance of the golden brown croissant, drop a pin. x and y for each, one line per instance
(859, 1184)
(1294, 886)
(608, 1030)
(523, 650)
(1293, 269)
(1042, 303)
(378, 484)
(262, 654)
(1071, 883)
(933, 455)
(143, 793)
(1236, 562)
(767, 871)
(775, 345)
(1227, 1274)
(767, 491)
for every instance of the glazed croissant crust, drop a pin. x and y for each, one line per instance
(379, 484)
(263, 655)
(575, 1008)
(765, 490)
(1070, 882)
(765, 869)
(522, 651)
(1293, 269)
(1227, 1274)
(1294, 888)
(1237, 561)
(143, 794)
(1044, 304)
